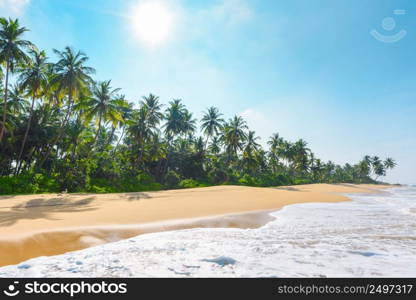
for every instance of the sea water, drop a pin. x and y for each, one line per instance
(374, 235)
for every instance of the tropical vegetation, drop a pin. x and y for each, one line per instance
(60, 129)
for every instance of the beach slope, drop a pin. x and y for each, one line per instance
(39, 225)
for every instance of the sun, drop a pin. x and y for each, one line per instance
(152, 22)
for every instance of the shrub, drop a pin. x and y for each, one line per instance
(28, 183)
(172, 179)
(248, 180)
(189, 183)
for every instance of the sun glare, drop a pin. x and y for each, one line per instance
(152, 22)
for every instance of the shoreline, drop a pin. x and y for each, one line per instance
(228, 207)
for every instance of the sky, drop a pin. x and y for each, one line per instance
(339, 74)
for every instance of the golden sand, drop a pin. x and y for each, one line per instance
(39, 225)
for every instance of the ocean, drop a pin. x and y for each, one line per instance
(374, 235)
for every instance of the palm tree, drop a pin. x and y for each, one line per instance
(274, 142)
(233, 135)
(188, 123)
(174, 118)
(17, 103)
(215, 146)
(389, 163)
(153, 107)
(126, 109)
(251, 143)
(212, 123)
(33, 78)
(12, 53)
(71, 78)
(251, 147)
(103, 106)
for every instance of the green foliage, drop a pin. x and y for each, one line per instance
(28, 183)
(192, 183)
(62, 131)
(172, 179)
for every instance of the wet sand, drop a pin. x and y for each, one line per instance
(39, 225)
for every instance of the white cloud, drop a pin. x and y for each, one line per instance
(13, 8)
(232, 11)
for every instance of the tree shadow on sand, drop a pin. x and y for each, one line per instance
(288, 188)
(138, 196)
(42, 208)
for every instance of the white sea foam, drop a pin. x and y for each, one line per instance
(373, 235)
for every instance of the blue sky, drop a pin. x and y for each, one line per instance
(306, 69)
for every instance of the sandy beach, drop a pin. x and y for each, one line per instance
(39, 225)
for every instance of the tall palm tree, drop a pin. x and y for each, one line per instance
(141, 130)
(33, 78)
(188, 123)
(234, 136)
(153, 108)
(71, 78)
(174, 118)
(212, 123)
(126, 109)
(274, 142)
(12, 53)
(251, 143)
(389, 163)
(103, 106)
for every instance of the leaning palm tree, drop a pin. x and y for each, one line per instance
(12, 53)
(212, 123)
(71, 78)
(389, 163)
(33, 78)
(126, 109)
(103, 106)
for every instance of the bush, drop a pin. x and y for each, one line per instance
(172, 179)
(28, 183)
(299, 181)
(189, 183)
(248, 180)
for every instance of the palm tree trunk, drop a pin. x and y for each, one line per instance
(119, 140)
(98, 131)
(60, 132)
(19, 162)
(6, 91)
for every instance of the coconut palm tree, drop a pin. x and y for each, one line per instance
(212, 123)
(71, 78)
(215, 146)
(234, 136)
(174, 118)
(103, 106)
(251, 143)
(126, 109)
(33, 79)
(17, 103)
(389, 163)
(188, 123)
(12, 54)
(153, 107)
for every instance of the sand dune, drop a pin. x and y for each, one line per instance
(38, 225)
